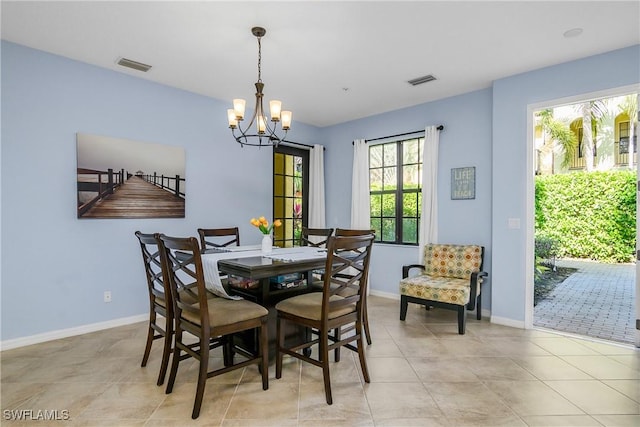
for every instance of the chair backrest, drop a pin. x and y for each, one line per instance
(183, 264)
(316, 237)
(158, 288)
(457, 261)
(353, 232)
(218, 237)
(346, 273)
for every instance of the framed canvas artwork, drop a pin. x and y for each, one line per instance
(120, 178)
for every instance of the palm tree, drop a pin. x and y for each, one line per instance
(629, 106)
(592, 114)
(560, 133)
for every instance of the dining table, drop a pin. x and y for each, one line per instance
(259, 276)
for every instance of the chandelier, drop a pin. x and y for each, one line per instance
(259, 131)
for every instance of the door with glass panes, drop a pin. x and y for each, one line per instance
(290, 200)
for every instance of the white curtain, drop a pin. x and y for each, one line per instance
(360, 213)
(429, 217)
(316, 187)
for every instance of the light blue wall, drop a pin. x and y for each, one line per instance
(55, 267)
(465, 141)
(511, 96)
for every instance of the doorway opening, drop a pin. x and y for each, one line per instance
(584, 191)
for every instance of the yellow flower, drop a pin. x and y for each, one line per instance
(263, 224)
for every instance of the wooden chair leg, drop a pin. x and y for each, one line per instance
(363, 361)
(150, 336)
(365, 316)
(166, 351)
(202, 376)
(174, 363)
(403, 307)
(479, 308)
(279, 346)
(264, 352)
(324, 359)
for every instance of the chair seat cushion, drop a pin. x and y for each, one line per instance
(224, 311)
(444, 289)
(309, 306)
(186, 297)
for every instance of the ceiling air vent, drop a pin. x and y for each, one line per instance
(420, 80)
(134, 64)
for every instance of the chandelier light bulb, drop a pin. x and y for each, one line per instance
(231, 116)
(275, 107)
(238, 107)
(286, 120)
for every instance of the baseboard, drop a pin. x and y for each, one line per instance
(64, 333)
(504, 321)
(388, 295)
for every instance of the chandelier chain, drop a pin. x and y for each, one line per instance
(259, 60)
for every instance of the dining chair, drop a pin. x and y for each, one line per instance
(218, 237)
(365, 313)
(211, 320)
(159, 301)
(346, 267)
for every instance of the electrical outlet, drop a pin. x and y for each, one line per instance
(107, 296)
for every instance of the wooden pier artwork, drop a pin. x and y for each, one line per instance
(139, 196)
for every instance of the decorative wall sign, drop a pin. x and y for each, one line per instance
(120, 178)
(463, 183)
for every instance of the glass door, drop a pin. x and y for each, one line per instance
(290, 180)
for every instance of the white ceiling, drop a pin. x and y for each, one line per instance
(330, 61)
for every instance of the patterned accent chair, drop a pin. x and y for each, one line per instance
(451, 277)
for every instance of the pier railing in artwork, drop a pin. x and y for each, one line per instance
(169, 183)
(103, 184)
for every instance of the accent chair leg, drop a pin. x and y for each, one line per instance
(462, 317)
(403, 307)
(479, 307)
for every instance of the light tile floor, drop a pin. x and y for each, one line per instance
(422, 374)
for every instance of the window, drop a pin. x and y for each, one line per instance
(623, 131)
(395, 171)
(290, 180)
(594, 136)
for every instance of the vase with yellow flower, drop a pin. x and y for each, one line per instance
(265, 228)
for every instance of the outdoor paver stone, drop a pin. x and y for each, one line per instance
(596, 301)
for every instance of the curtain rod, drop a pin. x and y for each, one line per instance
(440, 127)
(300, 144)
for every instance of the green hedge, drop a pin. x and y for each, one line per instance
(590, 215)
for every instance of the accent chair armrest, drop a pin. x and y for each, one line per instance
(407, 268)
(474, 287)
